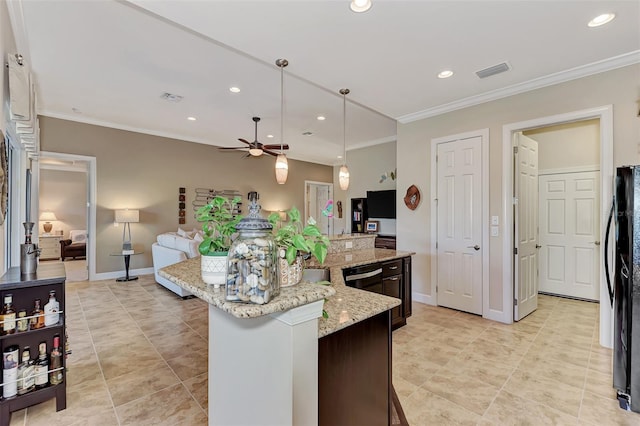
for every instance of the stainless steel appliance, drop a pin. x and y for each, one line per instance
(366, 277)
(625, 293)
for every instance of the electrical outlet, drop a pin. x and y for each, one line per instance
(348, 244)
(495, 231)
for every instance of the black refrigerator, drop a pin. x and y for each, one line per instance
(625, 293)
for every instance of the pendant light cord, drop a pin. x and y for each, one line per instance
(281, 108)
(344, 93)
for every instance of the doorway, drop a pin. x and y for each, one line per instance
(605, 117)
(459, 180)
(67, 188)
(316, 199)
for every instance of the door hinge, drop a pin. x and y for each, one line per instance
(436, 158)
(436, 288)
(515, 149)
(515, 302)
(515, 250)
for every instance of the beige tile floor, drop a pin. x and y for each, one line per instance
(140, 358)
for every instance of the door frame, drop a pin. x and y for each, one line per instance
(91, 203)
(605, 115)
(307, 185)
(484, 138)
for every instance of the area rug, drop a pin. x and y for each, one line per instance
(76, 270)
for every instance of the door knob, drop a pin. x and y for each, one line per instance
(476, 247)
(596, 243)
(538, 246)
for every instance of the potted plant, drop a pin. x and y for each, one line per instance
(293, 239)
(218, 229)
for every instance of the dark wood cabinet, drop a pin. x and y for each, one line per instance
(387, 242)
(393, 285)
(25, 289)
(354, 374)
(359, 214)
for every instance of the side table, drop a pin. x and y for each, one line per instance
(127, 258)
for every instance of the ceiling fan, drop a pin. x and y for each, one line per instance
(256, 149)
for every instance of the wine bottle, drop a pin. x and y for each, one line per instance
(51, 315)
(55, 377)
(42, 367)
(38, 318)
(26, 373)
(10, 371)
(8, 316)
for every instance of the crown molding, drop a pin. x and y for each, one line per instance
(538, 83)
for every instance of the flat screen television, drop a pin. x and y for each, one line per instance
(382, 204)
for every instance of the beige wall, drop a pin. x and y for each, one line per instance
(618, 87)
(65, 194)
(567, 145)
(144, 172)
(366, 165)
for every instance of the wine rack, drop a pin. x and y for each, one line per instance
(25, 289)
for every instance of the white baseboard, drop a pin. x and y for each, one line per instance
(423, 298)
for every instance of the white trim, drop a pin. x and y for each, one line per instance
(605, 115)
(564, 170)
(91, 203)
(306, 201)
(615, 62)
(304, 313)
(484, 137)
(117, 274)
(424, 298)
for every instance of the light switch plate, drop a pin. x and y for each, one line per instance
(495, 231)
(495, 221)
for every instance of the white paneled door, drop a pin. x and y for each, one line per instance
(526, 227)
(459, 221)
(569, 234)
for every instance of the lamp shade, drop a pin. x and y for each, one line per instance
(48, 216)
(343, 177)
(282, 169)
(127, 216)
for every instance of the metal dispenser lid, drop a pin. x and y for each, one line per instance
(253, 222)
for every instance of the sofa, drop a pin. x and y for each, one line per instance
(170, 248)
(75, 246)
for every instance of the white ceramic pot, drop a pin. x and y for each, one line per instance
(290, 275)
(214, 269)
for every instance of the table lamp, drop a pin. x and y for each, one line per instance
(47, 217)
(127, 217)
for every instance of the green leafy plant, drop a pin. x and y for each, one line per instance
(219, 224)
(296, 238)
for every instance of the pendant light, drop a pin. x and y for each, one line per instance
(343, 175)
(282, 165)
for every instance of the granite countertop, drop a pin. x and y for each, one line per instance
(345, 305)
(186, 274)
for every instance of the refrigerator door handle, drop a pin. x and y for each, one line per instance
(606, 252)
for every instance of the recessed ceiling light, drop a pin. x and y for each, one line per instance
(321, 118)
(191, 118)
(445, 74)
(234, 89)
(339, 156)
(270, 136)
(360, 5)
(605, 18)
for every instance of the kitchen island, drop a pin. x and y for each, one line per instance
(264, 360)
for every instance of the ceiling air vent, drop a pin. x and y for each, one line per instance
(496, 69)
(170, 97)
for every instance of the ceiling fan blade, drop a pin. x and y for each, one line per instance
(266, 151)
(285, 146)
(234, 147)
(242, 140)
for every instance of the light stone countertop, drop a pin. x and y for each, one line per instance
(344, 305)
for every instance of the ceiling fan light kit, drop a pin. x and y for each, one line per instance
(282, 165)
(343, 175)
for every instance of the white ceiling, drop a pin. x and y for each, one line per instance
(111, 60)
